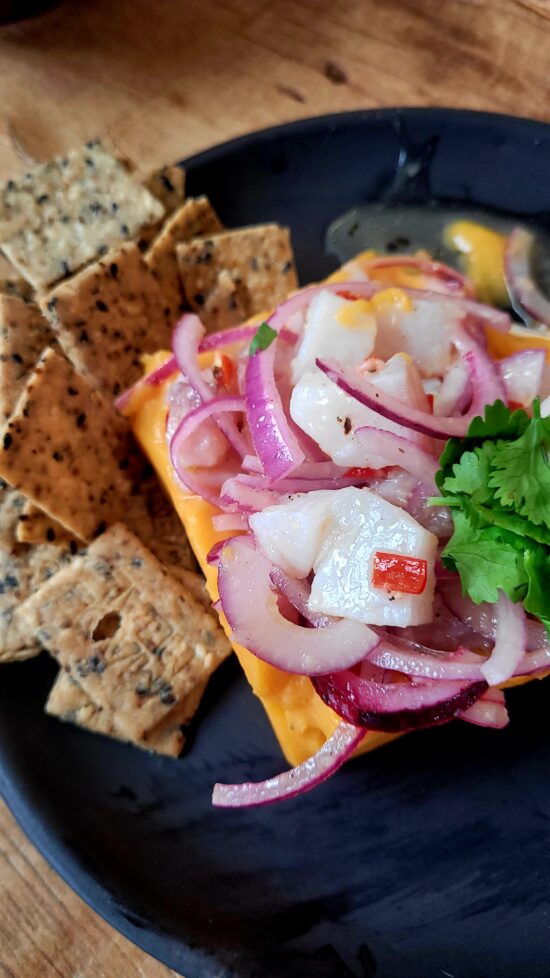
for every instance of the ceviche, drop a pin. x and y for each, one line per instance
(376, 475)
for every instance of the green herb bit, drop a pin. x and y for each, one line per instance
(262, 339)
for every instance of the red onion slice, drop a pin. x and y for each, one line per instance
(250, 607)
(525, 296)
(452, 281)
(235, 493)
(185, 344)
(395, 706)
(424, 663)
(240, 334)
(510, 642)
(483, 617)
(489, 711)
(276, 444)
(334, 752)
(203, 482)
(154, 379)
(297, 592)
(396, 450)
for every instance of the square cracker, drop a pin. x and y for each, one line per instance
(37, 527)
(259, 260)
(24, 333)
(131, 636)
(68, 701)
(196, 217)
(22, 570)
(67, 212)
(168, 186)
(162, 531)
(60, 449)
(107, 316)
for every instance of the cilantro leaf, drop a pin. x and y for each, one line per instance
(262, 339)
(537, 566)
(471, 474)
(499, 422)
(486, 559)
(521, 472)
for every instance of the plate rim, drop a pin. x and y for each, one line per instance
(58, 854)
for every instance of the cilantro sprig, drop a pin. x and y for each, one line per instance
(496, 482)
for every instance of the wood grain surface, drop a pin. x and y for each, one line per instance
(158, 80)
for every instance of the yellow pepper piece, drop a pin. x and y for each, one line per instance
(482, 253)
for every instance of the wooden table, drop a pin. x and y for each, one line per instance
(160, 79)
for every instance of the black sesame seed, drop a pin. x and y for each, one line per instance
(84, 338)
(10, 185)
(43, 199)
(123, 464)
(137, 562)
(96, 208)
(113, 268)
(167, 184)
(50, 534)
(100, 528)
(102, 306)
(66, 267)
(57, 456)
(254, 264)
(7, 441)
(89, 162)
(17, 357)
(51, 305)
(114, 207)
(72, 391)
(81, 420)
(199, 299)
(124, 229)
(287, 267)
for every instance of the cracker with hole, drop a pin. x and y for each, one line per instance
(196, 217)
(69, 211)
(107, 316)
(259, 259)
(132, 637)
(68, 702)
(24, 333)
(60, 447)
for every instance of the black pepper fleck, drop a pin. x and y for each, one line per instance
(347, 426)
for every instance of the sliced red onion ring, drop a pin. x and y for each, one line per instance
(489, 711)
(276, 444)
(185, 344)
(453, 282)
(399, 656)
(334, 752)
(522, 375)
(395, 706)
(297, 592)
(250, 607)
(510, 642)
(239, 334)
(525, 296)
(395, 450)
(154, 379)
(203, 482)
(487, 389)
(213, 555)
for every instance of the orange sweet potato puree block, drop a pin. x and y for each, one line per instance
(300, 719)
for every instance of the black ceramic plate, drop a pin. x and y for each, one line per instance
(426, 859)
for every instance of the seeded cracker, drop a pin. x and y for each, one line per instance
(60, 449)
(107, 316)
(132, 637)
(196, 217)
(37, 527)
(22, 570)
(67, 212)
(259, 260)
(162, 531)
(24, 333)
(68, 702)
(226, 305)
(168, 186)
